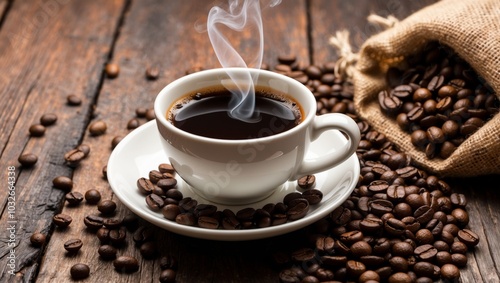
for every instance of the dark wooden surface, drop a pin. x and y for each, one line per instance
(50, 49)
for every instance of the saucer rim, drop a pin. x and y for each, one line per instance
(217, 234)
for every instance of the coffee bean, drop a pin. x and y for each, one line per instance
(92, 196)
(133, 124)
(117, 237)
(37, 239)
(126, 264)
(37, 130)
(154, 202)
(62, 220)
(399, 277)
(73, 100)
(450, 272)
(63, 183)
(74, 157)
(93, 222)
(426, 252)
(73, 245)
(306, 182)
(112, 223)
(48, 119)
(106, 207)
(107, 252)
(79, 271)
(152, 72)
(97, 128)
(27, 159)
(150, 114)
(167, 183)
(143, 234)
(468, 237)
(112, 70)
(208, 222)
(170, 211)
(74, 198)
(168, 276)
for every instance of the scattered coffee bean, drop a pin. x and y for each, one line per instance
(150, 114)
(37, 130)
(107, 252)
(74, 198)
(79, 271)
(133, 124)
(148, 250)
(104, 171)
(97, 128)
(27, 159)
(140, 112)
(126, 264)
(37, 239)
(74, 157)
(73, 245)
(62, 220)
(63, 183)
(92, 196)
(73, 100)
(115, 141)
(306, 182)
(93, 222)
(48, 119)
(84, 148)
(152, 72)
(106, 207)
(168, 276)
(112, 70)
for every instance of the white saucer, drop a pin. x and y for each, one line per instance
(141, 151)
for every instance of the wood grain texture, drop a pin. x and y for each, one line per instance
(153, 34)
(45, 55)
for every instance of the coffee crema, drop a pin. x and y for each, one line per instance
(207, 112)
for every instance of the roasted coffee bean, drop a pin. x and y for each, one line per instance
(402, 249)
(297, 209)
(149, 250)
(97, 128)
(154, 202)
(62, 220)
(74, 198)
(85, 148)
(307, 182)
(468, 237)
(166, 168)
(461, 216)
(355, 268)
(48, 119)
(37, 130)
(152, 72)
(79, 271)
(170, 211)
(208, 222)
(112, 70)
(145, 186)
(174, 194)
(143, 234)
(115, 141)
(103, 234)
(106, 207)
(167, 183)
(361, 248)
(426, 252)
(27, 159)
(74, 157)
(126, 264)
(150, 114)
(206, 210)
(73, 100)
(63, 183)
(92, 196)
(93, 222)
(168, 276)
(399, 277)
(107, 252)
(168, 262)
(186, 218)
(459, 260)
(112, 223)
(351, 237)
(133, 123)
(394, 227)
(450, 272)
(37, 239)
(73, 245)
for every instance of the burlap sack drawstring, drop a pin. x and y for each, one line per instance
(344, 66)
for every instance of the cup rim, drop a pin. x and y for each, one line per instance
(161, 119)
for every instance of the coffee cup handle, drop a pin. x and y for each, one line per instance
(325, 122)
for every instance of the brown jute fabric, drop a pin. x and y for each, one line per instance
(472, 29)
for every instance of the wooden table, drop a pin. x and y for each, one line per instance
(53, 48)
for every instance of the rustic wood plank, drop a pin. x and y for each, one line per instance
(153, 35)
(47, 53)
(332, 16)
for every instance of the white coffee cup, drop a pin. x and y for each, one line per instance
(249, 170)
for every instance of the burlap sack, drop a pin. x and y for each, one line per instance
(472, 29)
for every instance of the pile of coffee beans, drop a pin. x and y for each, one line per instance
(162, 196)
(399, 224)
(439, 99)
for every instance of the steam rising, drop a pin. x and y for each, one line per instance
(240, 16)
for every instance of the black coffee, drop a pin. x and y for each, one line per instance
(207, 113)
